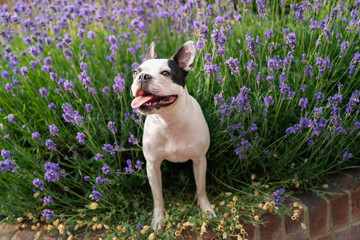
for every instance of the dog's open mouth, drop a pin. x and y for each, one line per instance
(147, 101)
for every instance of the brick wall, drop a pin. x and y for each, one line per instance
(335, 215)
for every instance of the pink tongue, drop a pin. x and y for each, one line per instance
(140, 100)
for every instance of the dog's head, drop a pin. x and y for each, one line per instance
(158, 83)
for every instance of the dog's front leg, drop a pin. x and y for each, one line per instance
(199, 166)
(154, 175)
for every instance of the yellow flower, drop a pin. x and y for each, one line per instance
(152, 236)
(221, 228)
(93, 205)
(303, 226)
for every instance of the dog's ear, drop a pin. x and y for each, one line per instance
(184, 57)
(151, 52)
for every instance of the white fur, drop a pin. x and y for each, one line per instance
(176, 133)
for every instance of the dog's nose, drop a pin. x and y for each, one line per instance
(145, 77)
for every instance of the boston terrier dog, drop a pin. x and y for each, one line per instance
(175, 128)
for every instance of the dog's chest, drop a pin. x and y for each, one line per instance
(176, 144)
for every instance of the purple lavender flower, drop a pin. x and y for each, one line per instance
(111, 127)
(47, 214)
(83, 66)
(38, 183)
(133, 139)
(43, 92)
(100, 180)
(129, 168)
(52, 106)
(53, 129)
(319, 97)
(261, 5)
(48, 200)
(278, 200)
(106, 90)
(34, 51)
(91, 35)
(106, 169)
(7, 165)
(251, 65)
(346, 156)
(308, 70)
(96, 195)
(250, 45)
(311, 143)
(80, 137)
(109, 148)
(210, 68)
(89, 107)
(5, 74)
(242, 147)
(35, 135)
(139, 164)
(291, 39)
(119, 85)
(50, 144)
(11, 118)
(24, 71)
(270, 79)
(268, 101)
(344, 47)
(86, 178)
(47, 60)
(353, 101)
(9, 87)
(268, 34)
(53, 172)
(234, 65)
(5, 154)
(282, 77)
(352, 69)
(303, 102)
(68, 85)
(99, 157)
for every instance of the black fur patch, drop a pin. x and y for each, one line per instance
(178, 75)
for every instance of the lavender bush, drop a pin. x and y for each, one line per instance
(278, 83)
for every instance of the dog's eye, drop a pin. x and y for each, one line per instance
(135, 72)
(165, 73)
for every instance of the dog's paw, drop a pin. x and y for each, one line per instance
(206, 207)
(157, 222)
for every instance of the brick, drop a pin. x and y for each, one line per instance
(355, 203)
(293, 229)
(339, 201)
(318, 214)
(351, 232)
(272, 228)
(46, 235)
(24, 235)
(349, 181)
(327, 237)
(343, 181)
(355, 173)
(250, 230)
(7, 230)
